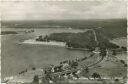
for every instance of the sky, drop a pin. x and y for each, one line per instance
(47, 10)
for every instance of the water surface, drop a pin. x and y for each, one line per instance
(17, 57)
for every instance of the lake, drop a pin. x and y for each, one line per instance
(17, 57)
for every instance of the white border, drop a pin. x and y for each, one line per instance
(59, 0)
(64, 0)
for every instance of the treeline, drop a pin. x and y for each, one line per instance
(8, 32)
(83, 40)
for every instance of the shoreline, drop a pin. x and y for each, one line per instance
(82, 49)
(54, 43)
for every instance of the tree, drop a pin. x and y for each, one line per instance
(36, 79)
(103, 52)
(117, 81)
(122, 61)
(114, 52)
(96, 75)
(124, 48)
(33, 68)
(40, 38)
(74, 64)
(125, 65)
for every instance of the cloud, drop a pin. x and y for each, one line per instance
(63, 10)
